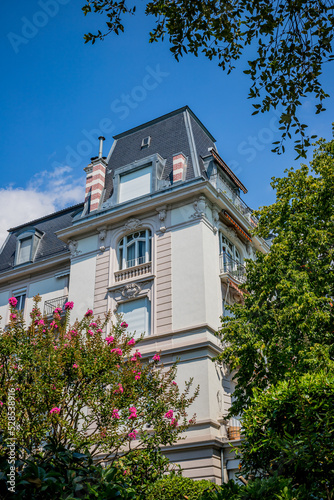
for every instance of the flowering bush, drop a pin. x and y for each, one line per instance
(78, 388)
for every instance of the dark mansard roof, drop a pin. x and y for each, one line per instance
(177, 132)
(49, 244)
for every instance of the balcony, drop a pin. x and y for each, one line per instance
(50, 305)
(231, 269)
(133, 272)
(222, 187)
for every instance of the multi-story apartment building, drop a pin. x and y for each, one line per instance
(161, 238)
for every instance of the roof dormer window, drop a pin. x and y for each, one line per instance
(146, 142)
(135, 183)
(26, 246)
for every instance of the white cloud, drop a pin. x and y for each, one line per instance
(46, 192)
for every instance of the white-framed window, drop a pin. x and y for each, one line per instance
(231, 255)
(26, 246)
(134, 184)
(137, 314)
(20, 296)
(134, 249)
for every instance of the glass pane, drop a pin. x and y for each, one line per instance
(24, 250)
(120, 257)
(131, 255)
(20, 301)
(149, 250)
(227, 259)
(141, 252)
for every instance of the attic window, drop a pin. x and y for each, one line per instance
(26, 246)
(146, 142)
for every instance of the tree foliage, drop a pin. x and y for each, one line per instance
(81, 390)
(291, 431)
(281, 341)
(290, 41)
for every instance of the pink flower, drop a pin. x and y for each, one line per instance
(156, 357)
(137, 377)
(55, 347)
(13, 301)
(89, 313)
(132, 342)
(120, 389)
(57, 311)
(13, 317)
(93, 325)
(55, 410)
(115, 413)
(53, 324)
(1, 403)
(117, 351)
(73, 332)
(68, 306)
(137, 354)
(133, 412)
(109, 340)
(174, 383)
(75, 365)
(41, 322)
(99, 330)
(169, 414)
(133, 434)
(124, 324)
(173, 422)
(91, 333)
(133, 358)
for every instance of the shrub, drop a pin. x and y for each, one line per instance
(175, 487)
(56, 473)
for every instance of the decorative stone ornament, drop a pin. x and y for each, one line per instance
(132, 224)
(162, 211)
(73, 246)
(215, 218)
(102, 235)
(200, 208)
(131, 290)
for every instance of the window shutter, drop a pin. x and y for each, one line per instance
(136, 313)
(25, 250)
(135, 184)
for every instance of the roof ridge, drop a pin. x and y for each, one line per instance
(164, 117)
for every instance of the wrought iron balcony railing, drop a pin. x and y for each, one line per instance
(50, 305)
(231, 267)
(222, 187)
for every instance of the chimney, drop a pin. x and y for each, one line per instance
(179, 167)
(95, 179)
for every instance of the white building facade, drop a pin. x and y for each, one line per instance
(161, 238)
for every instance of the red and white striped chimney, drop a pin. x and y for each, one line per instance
(95, 179)
(179, 167)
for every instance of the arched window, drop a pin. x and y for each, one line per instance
(230, 254)
(134, 249)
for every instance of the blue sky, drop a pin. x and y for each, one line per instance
(58, 94)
